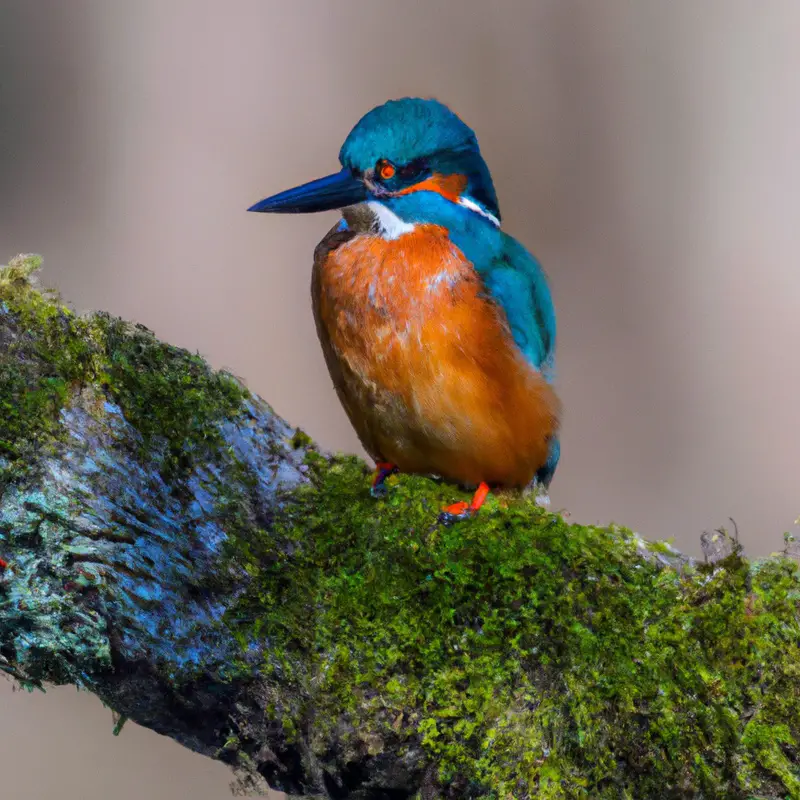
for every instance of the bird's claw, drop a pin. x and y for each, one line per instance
(457, 512)
(379, 491)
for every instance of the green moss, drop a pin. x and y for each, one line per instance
(528, 656)
(47, 354)
(301, 439)
(169, 395)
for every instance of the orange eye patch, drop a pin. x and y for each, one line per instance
(385, 169)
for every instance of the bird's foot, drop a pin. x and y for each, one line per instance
(383, 469)
(457, 512)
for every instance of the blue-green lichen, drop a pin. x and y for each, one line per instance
(527, 657)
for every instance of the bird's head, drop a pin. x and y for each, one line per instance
(397, 149)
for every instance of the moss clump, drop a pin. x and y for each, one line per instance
(528, 657)
(300, 439)
(169, 395)
(47, 354)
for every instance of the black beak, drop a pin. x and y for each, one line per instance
(334, 191)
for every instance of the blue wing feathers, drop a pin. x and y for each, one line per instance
(518, 284)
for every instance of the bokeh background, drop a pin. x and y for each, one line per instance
(647, 152)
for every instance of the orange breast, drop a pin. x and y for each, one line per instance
(424, 362)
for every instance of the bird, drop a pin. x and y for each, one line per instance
(438, 328)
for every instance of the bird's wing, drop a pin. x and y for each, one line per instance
(517, 282)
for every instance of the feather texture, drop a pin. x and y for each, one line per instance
(424, 360)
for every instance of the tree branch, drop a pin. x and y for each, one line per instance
(176, 548)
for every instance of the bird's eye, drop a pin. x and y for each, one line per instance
(385, 169)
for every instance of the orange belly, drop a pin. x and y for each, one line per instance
(424, 363)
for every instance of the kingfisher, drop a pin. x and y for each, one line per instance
(437, 327)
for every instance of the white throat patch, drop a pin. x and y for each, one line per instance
(389, 224)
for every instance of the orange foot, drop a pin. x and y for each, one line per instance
(383, 469)
(460, 511)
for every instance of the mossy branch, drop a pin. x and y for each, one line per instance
(173, 546)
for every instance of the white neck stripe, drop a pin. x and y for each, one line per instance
(469, 203)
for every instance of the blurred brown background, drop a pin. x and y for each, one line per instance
(646, 151)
